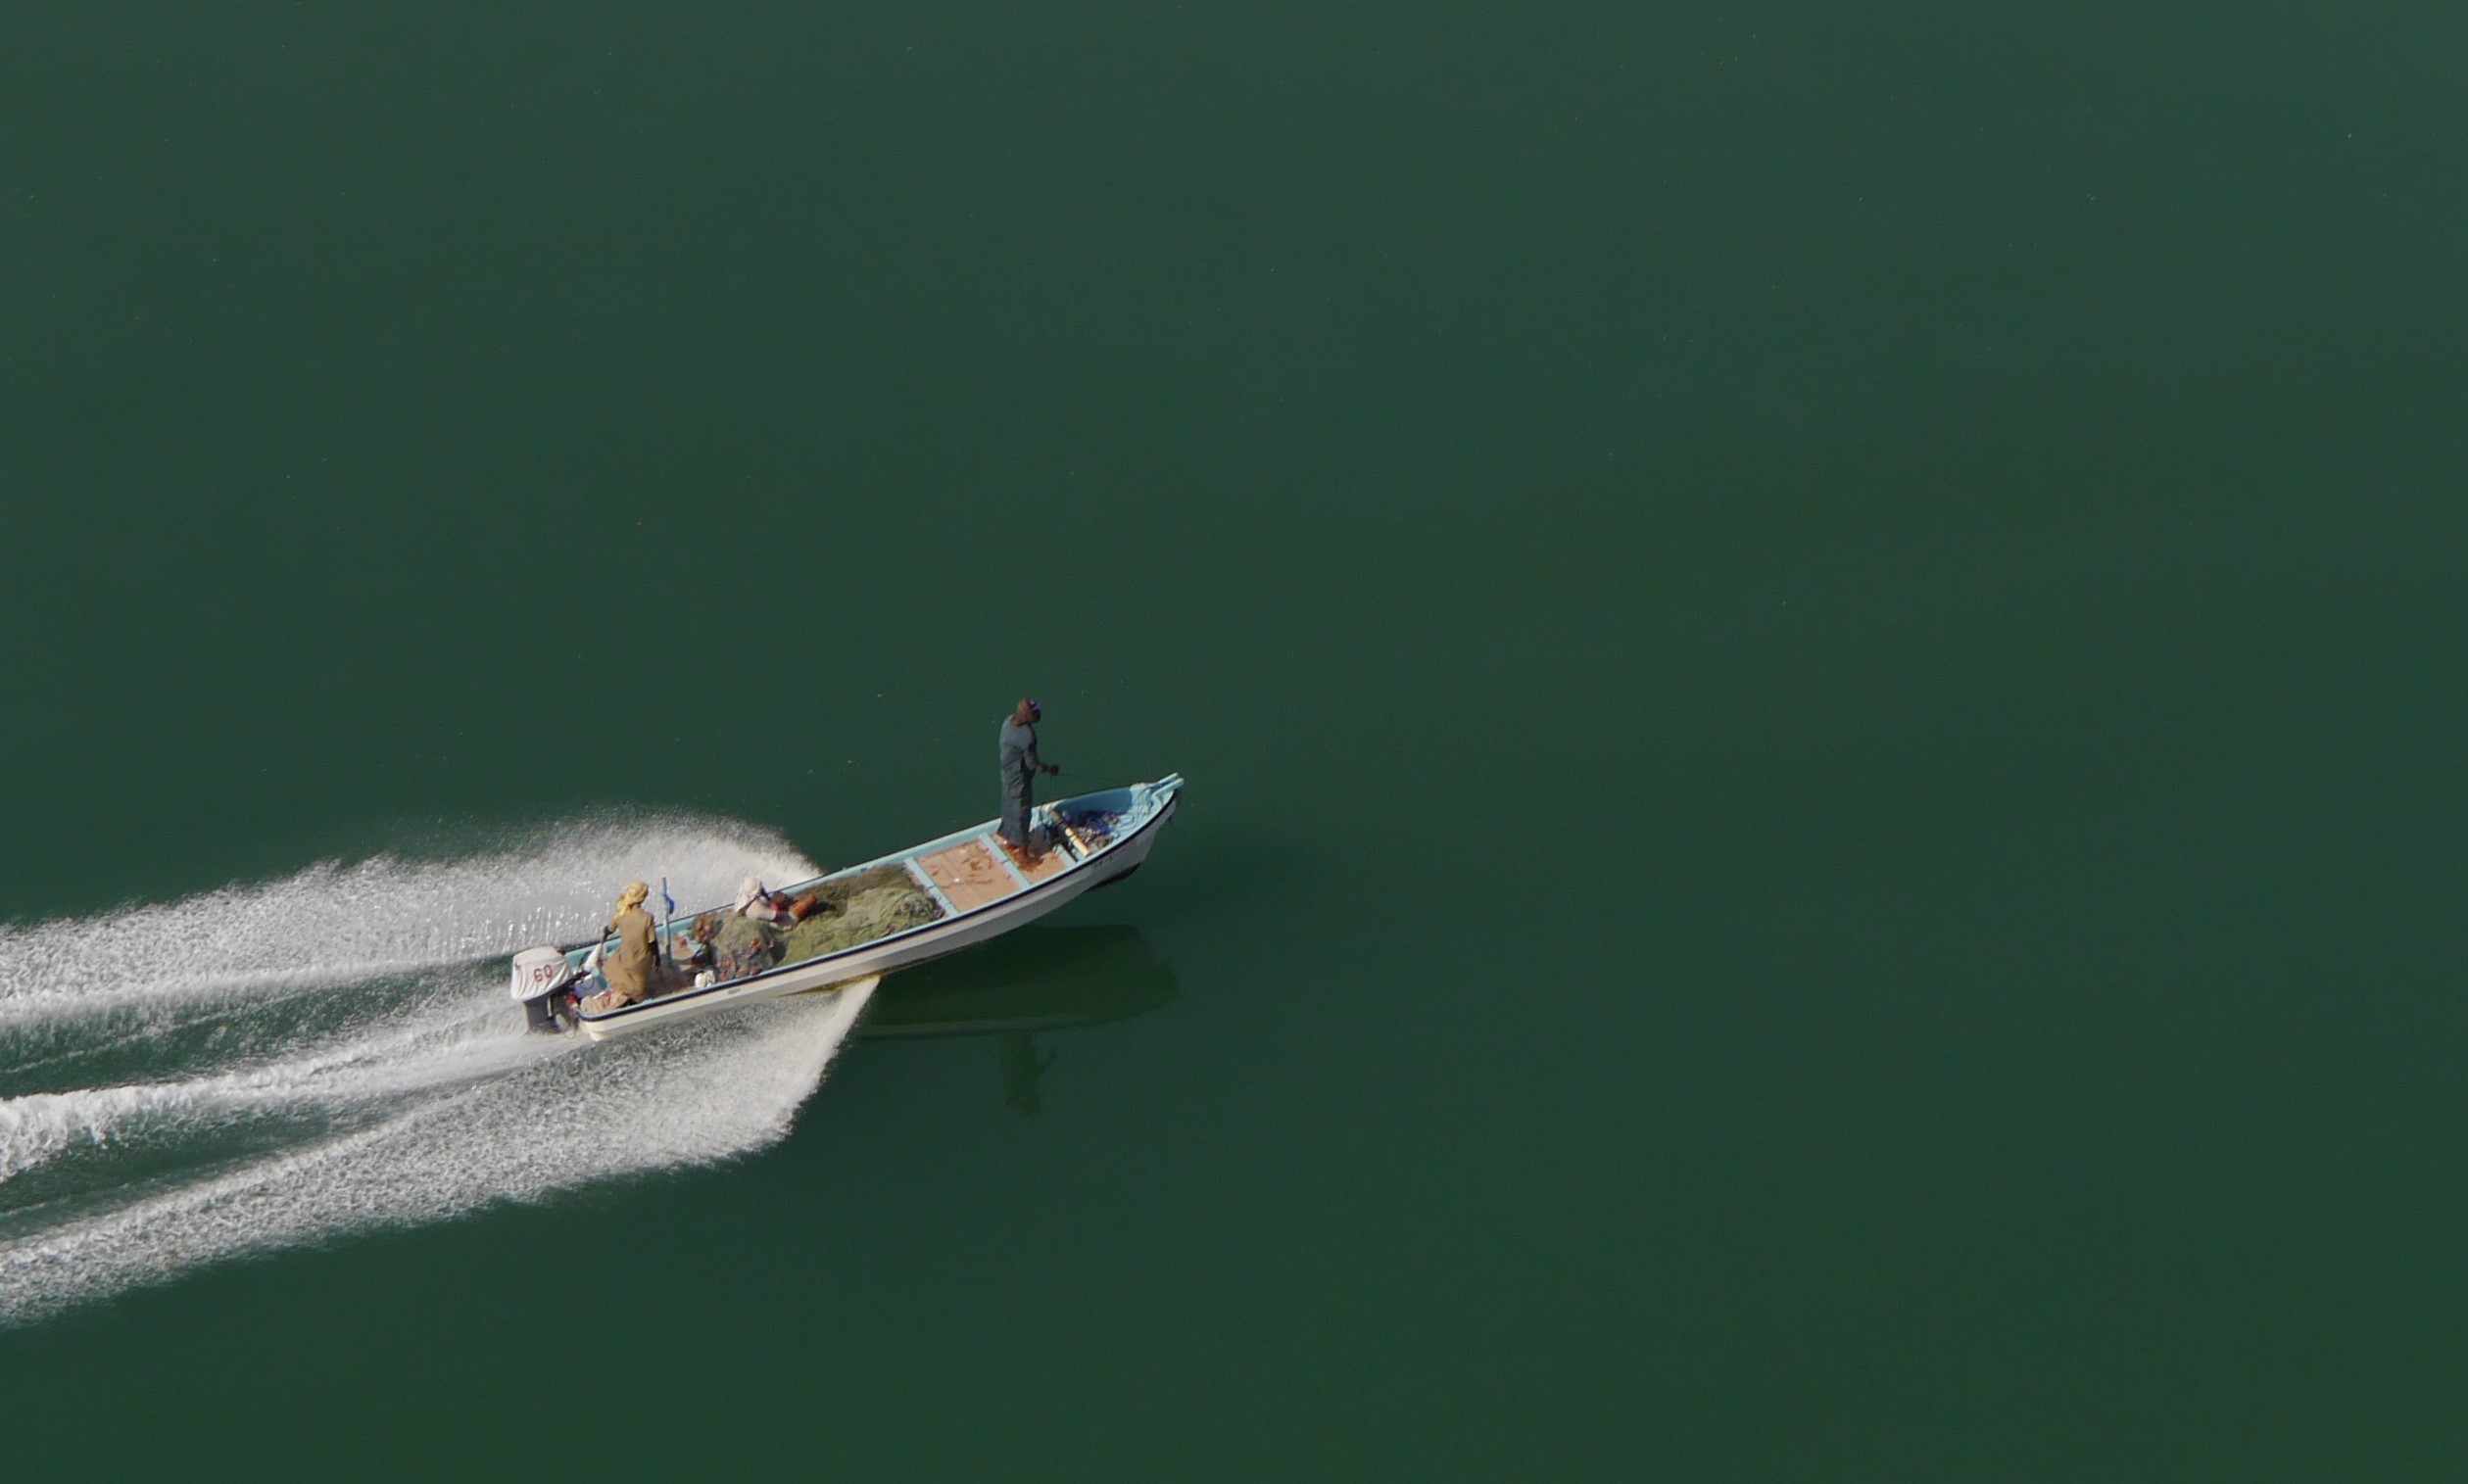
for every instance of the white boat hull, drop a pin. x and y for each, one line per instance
(899, 951)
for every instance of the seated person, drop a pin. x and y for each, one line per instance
(633, 973)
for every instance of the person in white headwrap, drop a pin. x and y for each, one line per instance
(773, 906)
(633, 971)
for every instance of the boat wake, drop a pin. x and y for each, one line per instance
(283, 1063)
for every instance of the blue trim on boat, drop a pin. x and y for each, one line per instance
(993, 843)
(924, 882)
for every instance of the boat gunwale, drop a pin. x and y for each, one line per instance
(1155, 818)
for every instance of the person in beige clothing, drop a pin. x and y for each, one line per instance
(633, 971)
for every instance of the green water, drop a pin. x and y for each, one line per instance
(1814, 649)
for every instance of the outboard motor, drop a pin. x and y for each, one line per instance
(541, 976)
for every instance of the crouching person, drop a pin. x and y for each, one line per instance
(777, 908)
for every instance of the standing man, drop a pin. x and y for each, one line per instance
(1020, 765)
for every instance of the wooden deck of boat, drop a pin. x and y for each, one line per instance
(1051, 863)
(978, 871)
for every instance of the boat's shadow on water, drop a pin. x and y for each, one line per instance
(1034, 983)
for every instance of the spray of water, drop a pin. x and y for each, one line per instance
(335, 924)
(287, 1062)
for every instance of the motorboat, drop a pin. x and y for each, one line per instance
(862, 922)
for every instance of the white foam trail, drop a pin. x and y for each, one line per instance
(421, 1054)
(695, 1095)
(336, 924)
(388, 1103)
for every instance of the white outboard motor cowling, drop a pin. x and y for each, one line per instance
(539, 975)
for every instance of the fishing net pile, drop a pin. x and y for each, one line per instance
(842, 914)
(859, 909)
